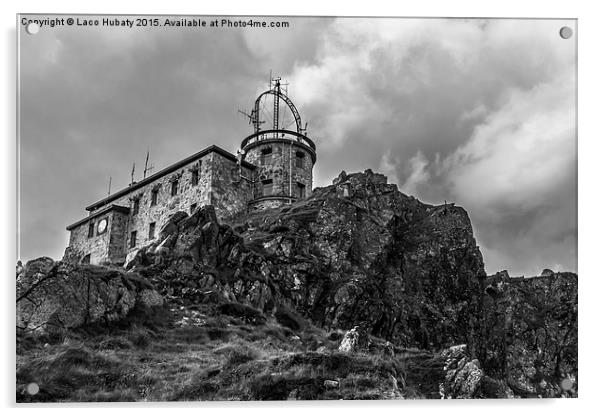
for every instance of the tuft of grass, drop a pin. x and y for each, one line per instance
(65, 371)
(237, 354)
(139, 336)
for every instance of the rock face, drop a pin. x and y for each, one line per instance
(462, 375)
(360, 254)
(529, 333)
(55, 296)
(356, 252)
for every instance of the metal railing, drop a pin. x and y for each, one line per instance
(265, 135)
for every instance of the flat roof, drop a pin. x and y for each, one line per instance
(167, 170)
(111, 207)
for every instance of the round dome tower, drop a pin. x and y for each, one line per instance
(280, 149)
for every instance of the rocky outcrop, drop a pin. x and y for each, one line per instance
(529, 333)
(358, 252)
(55, 296)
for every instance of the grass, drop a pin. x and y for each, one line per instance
(208, 356)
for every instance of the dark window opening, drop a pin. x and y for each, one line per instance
(133, 239)
(299, 157)
(136, 206)
(85, 259)
(193, 208)
(91, 230)
(300, 190)
(154, 195)
(195, 177)
(267, 187)
(266, 155)
(151, 230)
(174, 188)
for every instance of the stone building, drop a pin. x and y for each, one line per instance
(271, 168)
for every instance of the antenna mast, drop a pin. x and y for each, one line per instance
(276, 112)
(133, 170)
(146, 166)
(110, 179)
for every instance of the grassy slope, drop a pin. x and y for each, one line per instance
(195, 353)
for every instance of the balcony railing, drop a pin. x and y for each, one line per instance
(265, 135)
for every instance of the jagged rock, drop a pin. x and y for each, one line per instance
(354, 340)
(462, 375)
(53, 297)
(529, 334)
(361, 253)
(406, 271)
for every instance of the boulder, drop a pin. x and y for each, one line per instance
(462, 374)
(354, 340)
(53, 297)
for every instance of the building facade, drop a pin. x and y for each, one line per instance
(272, 168)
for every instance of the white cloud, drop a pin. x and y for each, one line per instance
(388, 167)
(419, 174)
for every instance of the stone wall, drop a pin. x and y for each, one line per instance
(104, 247)
(166, 204)
(277, 167)
(231, 187)
(219, 184)
(117, 238)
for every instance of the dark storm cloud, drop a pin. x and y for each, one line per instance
(477, 112)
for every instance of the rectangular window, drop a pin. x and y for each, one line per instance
(151, 230)
(174, 188)
(91, 230)
(267, 187)
(133, 239)
(193, 208)
(136, 208)
(299, 159)
(154, 195)
(300, 190)
(266, 155)
(195, 177)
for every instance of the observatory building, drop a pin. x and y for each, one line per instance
(274, 166)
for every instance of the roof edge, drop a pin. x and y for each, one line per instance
(165, 171)
(111, 207)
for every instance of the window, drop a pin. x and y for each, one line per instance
(266, 155)
(91, 230)
(133, 239)
(267, 187)
(136, 208)
(174, 188)
(151, 230)
(85, 259)
(300, 190)
(154, 195)
(193, 208)
(195, 177)
(299, 156)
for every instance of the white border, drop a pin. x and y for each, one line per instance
(589, 72)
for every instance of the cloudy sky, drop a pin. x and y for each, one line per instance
(477, 112)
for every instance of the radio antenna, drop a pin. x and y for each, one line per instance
(146, 166)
